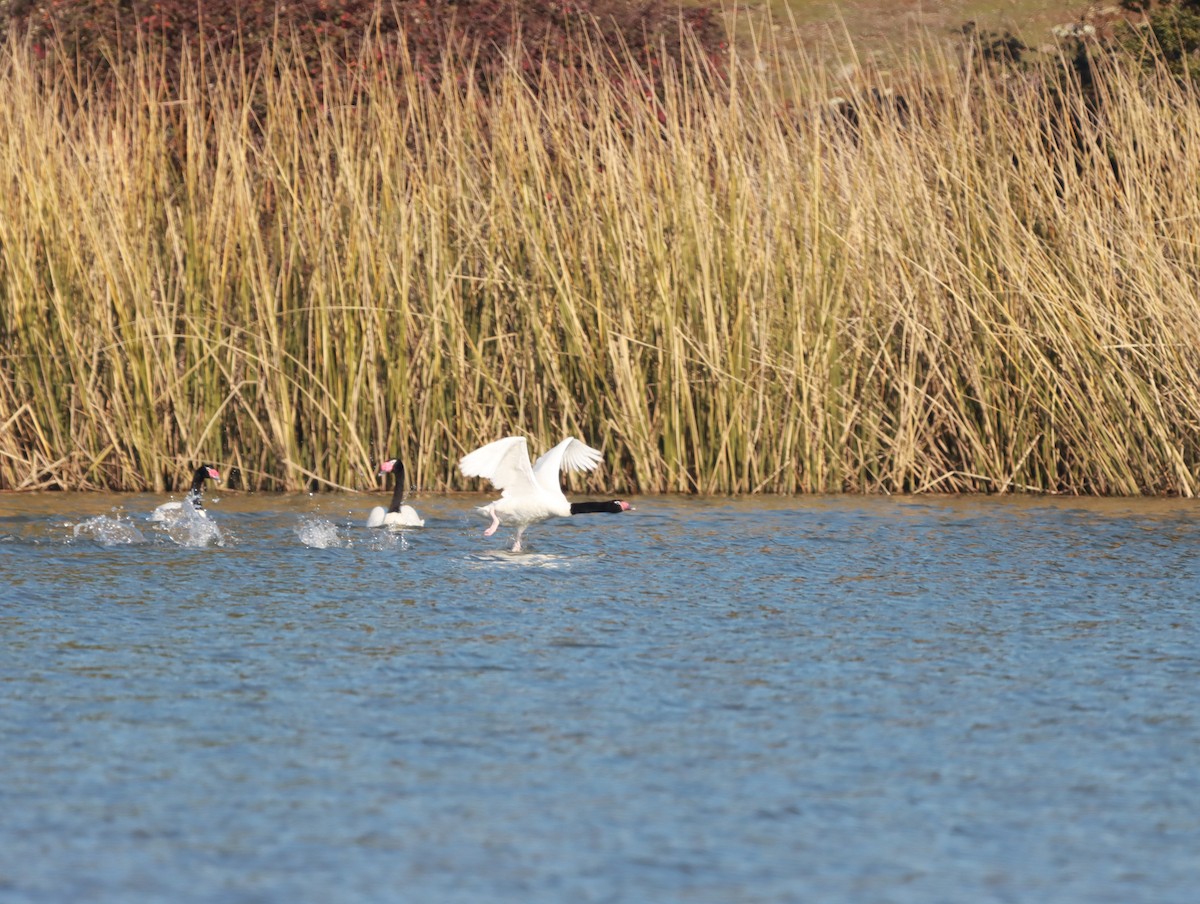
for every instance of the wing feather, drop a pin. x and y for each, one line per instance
(504, 462)
(569, 455)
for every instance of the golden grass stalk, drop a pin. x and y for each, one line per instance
(725, 287)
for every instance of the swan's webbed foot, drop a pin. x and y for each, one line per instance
(492, 527)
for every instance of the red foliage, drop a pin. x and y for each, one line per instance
(94, 32)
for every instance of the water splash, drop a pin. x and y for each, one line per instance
(108, 530)
(188, 526)
(520, 559)
(317, 533)
(383, 539)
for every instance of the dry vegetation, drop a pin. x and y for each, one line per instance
(722, 284)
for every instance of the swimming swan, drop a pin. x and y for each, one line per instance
(169, 511)
(397, 514)
(530, 494)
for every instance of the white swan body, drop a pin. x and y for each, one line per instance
(528, 493)
(173, 511)
(191, 504)
(406, 517)
(397, 514)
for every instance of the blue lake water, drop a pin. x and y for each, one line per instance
(706, 700)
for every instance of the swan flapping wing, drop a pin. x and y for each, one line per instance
(504, 462)
(569, 455)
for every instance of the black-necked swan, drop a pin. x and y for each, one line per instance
(172, 510)
(397, 514)
(531, 493)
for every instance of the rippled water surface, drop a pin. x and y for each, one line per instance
(705, 700)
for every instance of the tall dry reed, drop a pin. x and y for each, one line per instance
(726, 287)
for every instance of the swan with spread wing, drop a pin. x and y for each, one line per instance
(530, 493)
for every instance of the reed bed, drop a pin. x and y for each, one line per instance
(291, 272)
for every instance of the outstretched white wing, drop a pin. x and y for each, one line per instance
(569, 455)
(505, 463)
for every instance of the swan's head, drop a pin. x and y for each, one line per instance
(388, 466)
(211, 473)
(625, 506)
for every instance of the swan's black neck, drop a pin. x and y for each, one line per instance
(198, 479)
(590, 508)
(398, 492)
